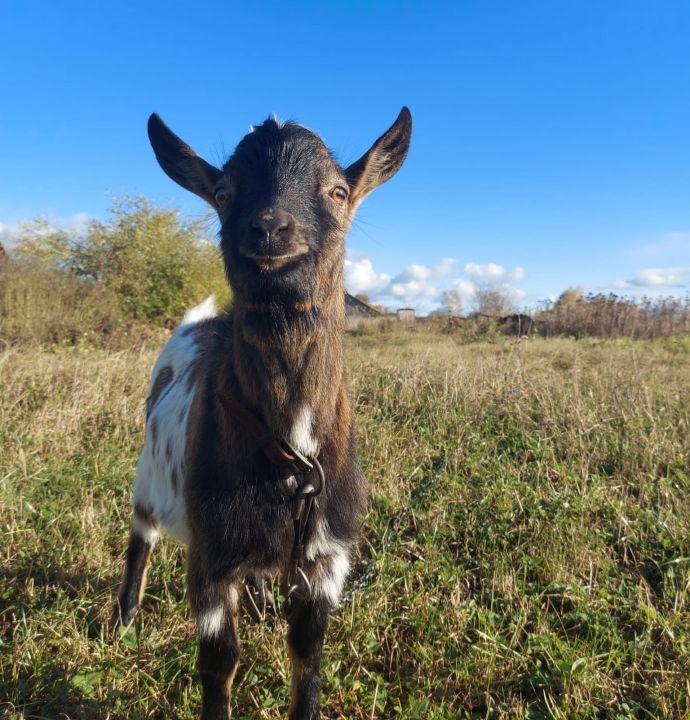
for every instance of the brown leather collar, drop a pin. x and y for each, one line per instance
(278, 452)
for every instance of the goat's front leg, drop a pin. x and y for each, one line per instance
(215, 607)
(308, 621)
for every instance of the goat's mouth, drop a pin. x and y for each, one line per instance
(274, 261)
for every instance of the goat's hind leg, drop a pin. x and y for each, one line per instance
(258, 597)
(142, 539)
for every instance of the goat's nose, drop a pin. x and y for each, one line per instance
(273, 222)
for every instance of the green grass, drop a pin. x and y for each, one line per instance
(539, 567)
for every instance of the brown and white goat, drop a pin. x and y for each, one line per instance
(285, 206)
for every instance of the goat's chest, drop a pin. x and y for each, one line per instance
(242, 517)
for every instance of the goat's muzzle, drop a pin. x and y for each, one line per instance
(273, 242)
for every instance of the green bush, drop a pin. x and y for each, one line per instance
(157, 263)
(144, 264)
(42, 304)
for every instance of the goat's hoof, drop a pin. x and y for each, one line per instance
(122, 617)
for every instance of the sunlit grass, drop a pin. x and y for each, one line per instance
(544, 572)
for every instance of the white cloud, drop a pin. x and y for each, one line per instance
(8, 233)
(657, 278)
(421, 286)
(493, 272)
(360, 277)
(75, 224)
(417, 286)
(445, 267)
(518, 273)
(518, 294)
(466, 288)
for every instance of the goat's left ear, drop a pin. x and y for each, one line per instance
(382, 161)
(181, 163)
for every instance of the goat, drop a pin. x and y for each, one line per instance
(246, 406)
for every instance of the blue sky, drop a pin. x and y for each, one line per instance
(551, 143)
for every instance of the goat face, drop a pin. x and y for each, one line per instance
(283, 208)
(284, 203)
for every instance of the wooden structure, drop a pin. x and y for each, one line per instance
(406, 315)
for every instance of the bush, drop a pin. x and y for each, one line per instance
(42, 304)
(157, 263)
(145, 264)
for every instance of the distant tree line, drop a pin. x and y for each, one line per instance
(573, 314)
(609, 315)
(141, 267)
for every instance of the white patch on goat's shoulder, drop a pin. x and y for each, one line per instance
(211, 622)
(301, 435)
(204, 310)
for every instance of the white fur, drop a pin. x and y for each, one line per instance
(146, 530)
(334, 563)
(205, 309)
(301, 436)
(153, 488)
(328, 583)
(321, 542)
(211, 622)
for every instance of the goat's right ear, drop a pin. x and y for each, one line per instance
(181, 163)
(382, 160)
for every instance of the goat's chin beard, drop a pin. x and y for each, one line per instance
(289, 282)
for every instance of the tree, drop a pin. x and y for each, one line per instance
(363, 297)
(156, 263)
(569, 298)
(494, 302)
(452, 302)
(38, 241)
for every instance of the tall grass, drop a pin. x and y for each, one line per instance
(542, 573)
(39, 304)
(615, 316)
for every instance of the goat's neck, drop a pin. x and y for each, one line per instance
(289, 358)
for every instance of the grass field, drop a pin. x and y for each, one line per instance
(539, 565)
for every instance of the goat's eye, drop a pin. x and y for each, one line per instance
(220, 194)
(339, 194)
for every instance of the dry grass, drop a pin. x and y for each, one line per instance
(543, 573)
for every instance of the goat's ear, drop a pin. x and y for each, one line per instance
(382, 160)
(181, 163)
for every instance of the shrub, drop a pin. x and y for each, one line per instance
(42, 304)
(157, 263)
(144, 264)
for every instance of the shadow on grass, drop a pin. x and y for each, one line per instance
(36, 686)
